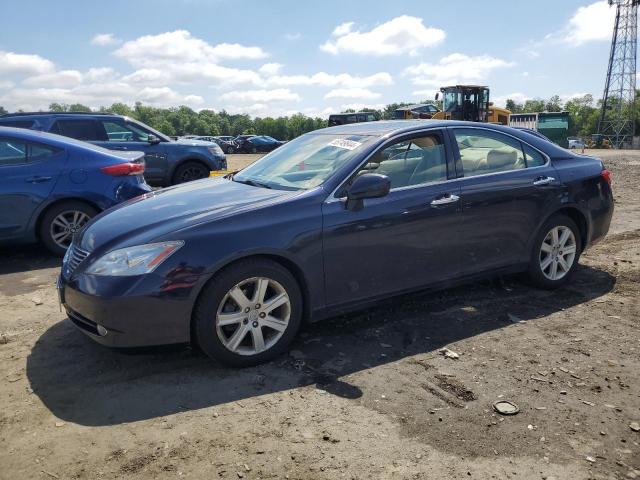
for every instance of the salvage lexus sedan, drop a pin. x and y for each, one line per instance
(332, 221)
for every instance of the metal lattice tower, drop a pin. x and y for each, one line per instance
(617, 119)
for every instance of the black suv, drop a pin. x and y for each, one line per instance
(167, 161)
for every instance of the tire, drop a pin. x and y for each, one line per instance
(52, 226)
(567, 255)
(234, 342)
(190, 171)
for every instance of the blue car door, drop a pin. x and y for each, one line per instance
(29, 172)
(404, 240)
(123, 135)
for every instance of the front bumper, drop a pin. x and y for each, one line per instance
(128, 312)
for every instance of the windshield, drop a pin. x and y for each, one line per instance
(303, 163)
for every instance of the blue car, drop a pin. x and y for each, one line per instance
(332, 221)
(51, 186)
(168, 162)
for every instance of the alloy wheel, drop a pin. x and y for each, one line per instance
(65, 225)
(557, 252)
(253, 316)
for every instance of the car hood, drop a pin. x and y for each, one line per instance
(162, 212)
(194, 143)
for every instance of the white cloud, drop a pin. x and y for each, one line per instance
(342, 29)
(400, 35)
(167, 96)
(518, 97)
(60, 79)
(105, 39)
(261, 96)
(363, 93)
(180, 46)
(100, 74)
(455, 69)
(16, 63)
(293, 36)
(5, 84)
(589, 23)
(426, 94)
(361, 106)
(322, 79)
(270, 68)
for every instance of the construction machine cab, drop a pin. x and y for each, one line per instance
(470, 103)
(465, 102)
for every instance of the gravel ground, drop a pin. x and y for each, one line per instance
(363, 396)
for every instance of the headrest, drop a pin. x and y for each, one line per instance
(498, 159)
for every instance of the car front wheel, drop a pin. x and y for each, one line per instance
(555, 253)
(190, 171)
(248, 313)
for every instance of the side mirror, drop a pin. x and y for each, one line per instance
(369, 185)
(437, 96)
(153, 140)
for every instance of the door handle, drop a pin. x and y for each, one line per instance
(448, 198)
(37, 179)
(543, 181)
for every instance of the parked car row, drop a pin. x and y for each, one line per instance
(242, 143)
(168, 162)
(51, 186)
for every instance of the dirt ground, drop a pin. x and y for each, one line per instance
(366, 396)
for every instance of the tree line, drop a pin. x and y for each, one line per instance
(583, 112)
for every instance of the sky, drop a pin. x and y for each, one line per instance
(278, 57)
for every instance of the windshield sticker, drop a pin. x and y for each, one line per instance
(346, 144)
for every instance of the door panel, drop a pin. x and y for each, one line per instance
(395, 243)
(24, 186)
(125, 136)
(501, 205)
(405, 240)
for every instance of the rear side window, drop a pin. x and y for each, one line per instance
(38, 152)
(533, 157)
(484, 151)
(12, 152)
(87, 130)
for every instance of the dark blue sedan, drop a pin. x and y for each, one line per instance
(330, 222)
(50, 186)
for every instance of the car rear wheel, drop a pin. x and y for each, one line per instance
(190, 171)
(61, 222)
(248, 313)
(555, 253)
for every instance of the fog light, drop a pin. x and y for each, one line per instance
(101, 330)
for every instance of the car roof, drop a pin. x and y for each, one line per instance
(387, 128)
(52, 139)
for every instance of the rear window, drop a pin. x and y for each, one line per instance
(87, 130)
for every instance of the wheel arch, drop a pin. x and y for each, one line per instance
(183, 161)
(575, 214)
(41, 214)
(282, 260)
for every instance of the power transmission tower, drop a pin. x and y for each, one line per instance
(617, 119)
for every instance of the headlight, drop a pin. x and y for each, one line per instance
(136, 260)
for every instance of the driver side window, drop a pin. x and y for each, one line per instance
(124, 132)
(410, 162)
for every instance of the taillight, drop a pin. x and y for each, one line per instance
(123, 169)
(606, 175)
